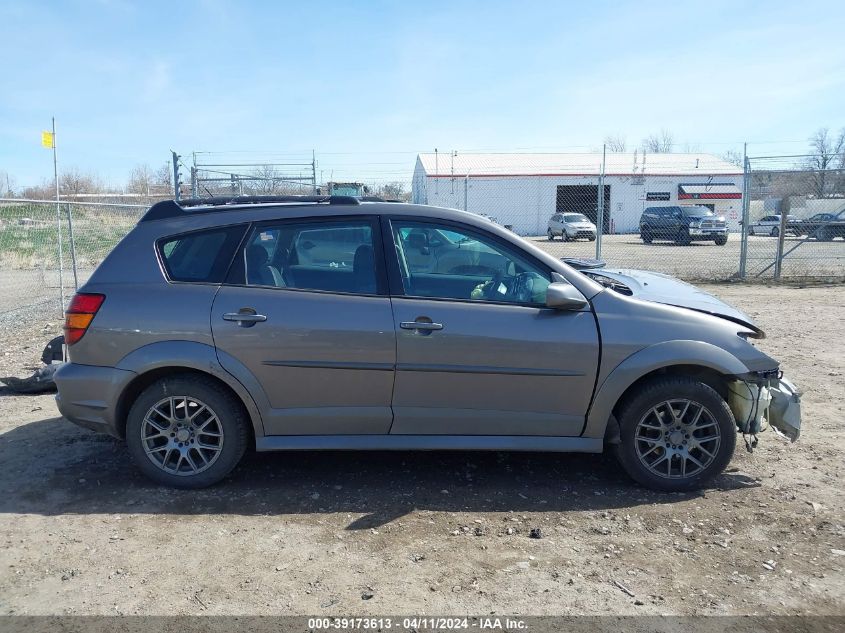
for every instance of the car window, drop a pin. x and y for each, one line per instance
(336, 256)
(201, 256)
(697, 212)
(575, 217)
(474, 267)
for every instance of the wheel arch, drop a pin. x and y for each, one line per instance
(710, 364)
(158, 360)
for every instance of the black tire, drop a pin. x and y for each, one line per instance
(646, 235)
(721, 240)
(775, 232)
(683, 237)
(550, 235)
(650, 397)
(228, 412)
(824, 235)
(592, 238)
(564, 236)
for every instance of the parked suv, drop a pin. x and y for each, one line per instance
(305, 323)
(682, 225)
(571, 226)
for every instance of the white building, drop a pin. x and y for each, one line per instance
(524, 190)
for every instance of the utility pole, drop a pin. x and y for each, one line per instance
(58, 225)
(600, 206)
(743, 243)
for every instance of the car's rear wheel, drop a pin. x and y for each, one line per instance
(775, 231)
(676, 434)
(184, 431)
(824, 235)
(550, 234)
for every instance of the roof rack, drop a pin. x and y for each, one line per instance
(174, 208)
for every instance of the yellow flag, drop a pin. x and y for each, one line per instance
(47, 139)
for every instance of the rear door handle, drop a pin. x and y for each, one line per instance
(244, 319)
(426, 326)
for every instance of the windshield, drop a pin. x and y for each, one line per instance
(697, 212)
(575, 217)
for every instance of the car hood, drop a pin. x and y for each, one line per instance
(665, 289)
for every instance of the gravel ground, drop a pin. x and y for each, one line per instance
(81, 532)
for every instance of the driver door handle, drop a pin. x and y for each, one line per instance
(425, 326)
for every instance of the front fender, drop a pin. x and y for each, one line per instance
(647, 360)
(200, 357)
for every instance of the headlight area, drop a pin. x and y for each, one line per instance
(764, 399)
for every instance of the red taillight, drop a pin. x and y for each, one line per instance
(79, 315)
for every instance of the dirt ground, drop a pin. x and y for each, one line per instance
(81, 532)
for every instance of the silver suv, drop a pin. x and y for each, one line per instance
(310, 323)
(571, 226)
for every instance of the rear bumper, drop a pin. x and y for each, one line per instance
(88, 395)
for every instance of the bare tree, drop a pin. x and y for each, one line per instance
(268, 180)
(659, 143)
(7, 184)
(733, 157)
(73, 183)
(393, 191)
(827, 153)
(141, 180)
(615, 143)
(164, 176)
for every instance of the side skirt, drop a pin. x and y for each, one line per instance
(541, 444)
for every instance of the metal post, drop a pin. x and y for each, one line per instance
(72, 246)
(313, 171)
(58, 226)
(743, 245)
(466, 190)
(600, 214)
(176, 193)
(784, 213)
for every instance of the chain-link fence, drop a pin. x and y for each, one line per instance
(38, 268)
(680, 214)
(796, 213)
(691, 215)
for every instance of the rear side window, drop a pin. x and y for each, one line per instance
(329, 256)
(201, 256)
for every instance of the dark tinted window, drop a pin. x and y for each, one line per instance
(201, 256)
(334, 256)
(697, 212)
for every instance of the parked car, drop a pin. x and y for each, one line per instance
(327, 323)
(682, 225)
(770, 225)
(571, 226)
(822, 226)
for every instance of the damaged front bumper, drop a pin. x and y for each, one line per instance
(785, 409)
(766, 398)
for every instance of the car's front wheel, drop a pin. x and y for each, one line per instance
(550, 235)
(184, 431)
(721, 240)
(676, 434)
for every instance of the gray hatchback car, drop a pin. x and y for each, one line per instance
(311, 323)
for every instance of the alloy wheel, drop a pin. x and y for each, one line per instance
(182, 435)
(677, 439)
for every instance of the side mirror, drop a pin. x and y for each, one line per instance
(564, 296)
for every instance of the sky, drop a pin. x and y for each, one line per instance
(368, 85)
